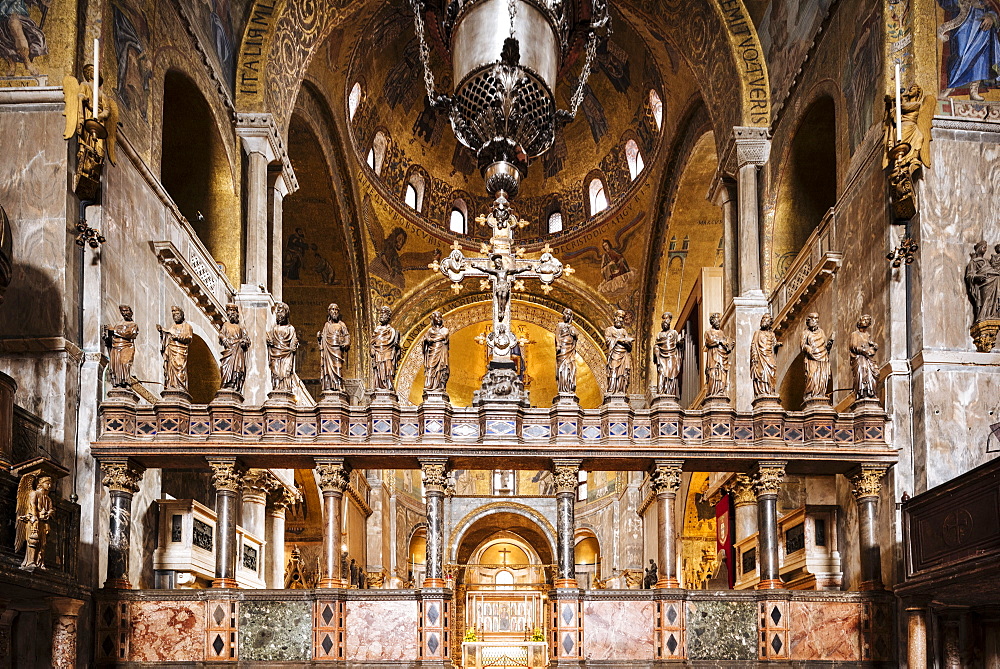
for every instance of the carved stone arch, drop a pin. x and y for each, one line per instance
(462, 527)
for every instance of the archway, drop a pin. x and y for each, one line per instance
(587, 555)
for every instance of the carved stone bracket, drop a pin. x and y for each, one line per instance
(768, 478)
(333, 475)
(666, 477)
(226, 475)
(867, 482)
(122, 475)
(191, 281)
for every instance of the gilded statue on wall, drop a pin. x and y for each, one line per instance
(668, 354)
(235, 343)
(385, 351)
(718, 348)
(816, 349)
(566, 340)
(120, 341)
(34, 511)
(764, 358)
(906, 148)
(96, 134)
(620, 344)
(862, 348)
(435, 349)
(174, 343)
(982, 285)
(282, 344)
(334, 342)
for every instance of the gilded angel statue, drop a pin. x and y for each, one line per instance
(96, 134)
(34, 511)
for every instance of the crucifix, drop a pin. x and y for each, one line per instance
(503, 555)
(502, 269)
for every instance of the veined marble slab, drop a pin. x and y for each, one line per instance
(825, 631)
(275, 631)
(722, 630)
(166, 631)
(381, 630)
(618, 630)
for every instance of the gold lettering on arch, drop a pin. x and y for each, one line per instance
(254, 50)
(743, 38)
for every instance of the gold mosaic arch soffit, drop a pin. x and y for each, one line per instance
(469, 519)
(282, 36)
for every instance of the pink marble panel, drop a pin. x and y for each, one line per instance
(381, 631)
(161, 631)
(825, 631)
(618, 630)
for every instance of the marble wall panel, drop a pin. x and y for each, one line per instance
(275, 631)
(721, 630)
(381, 630)
(166, 631)
(825, 631)
(618, 630)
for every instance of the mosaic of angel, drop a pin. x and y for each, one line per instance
(390, 261)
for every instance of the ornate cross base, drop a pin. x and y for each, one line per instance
(501, 385)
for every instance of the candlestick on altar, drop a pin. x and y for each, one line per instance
(899, 109)
(97, 76)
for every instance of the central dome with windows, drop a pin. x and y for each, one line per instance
(410, 156)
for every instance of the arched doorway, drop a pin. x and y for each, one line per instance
(587, 555)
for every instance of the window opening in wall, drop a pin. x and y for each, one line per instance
(457, 220)
(379, 146)
(414, 194)
(657, 106)
(411, 196)
(634, 158)
(598, 198)
(504, 579)
(353, 100)
(555, 222)
(581, 488)
(371, 158)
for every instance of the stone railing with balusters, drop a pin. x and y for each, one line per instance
(816, 262)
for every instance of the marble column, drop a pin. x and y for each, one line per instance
(333, 481)
(666, 481)
(724, 196)
(767, 483)
(567, 478)
(916, 635)
(64, 625)
(121, 477)
(259, 154)
(952, 621)
(257, 483)
(280, 500)
(435, 481)
(867, 484)
(227, 479)
(278, 190)
(745, 504)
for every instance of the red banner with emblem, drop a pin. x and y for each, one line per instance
(724, 522)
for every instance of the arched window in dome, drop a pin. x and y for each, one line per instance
(504, 579)
(656, 105)
(459, 215)
(634, 158)
(555, 222)
(353, 100)
(598, 197)
(414, 195)
(376, 157)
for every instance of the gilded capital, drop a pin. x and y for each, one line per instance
(742, 489)
(435, 476)
(122, 476)
(567, 478)
(867, 482)
(666, 478)
(768, 479)
(225, 475)
(333, 476)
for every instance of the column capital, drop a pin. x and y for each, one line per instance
(435, 474)
(567, 475)
(65, 606)
(768, 478)
(259, 134)
(121, 475)
(666, 476)
(333, 475)
(743, 492)
(748, 145)
(283, 497)
(226, 475)
(261, 480)
(866, 481)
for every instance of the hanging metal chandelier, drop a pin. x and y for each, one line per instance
(506, 56)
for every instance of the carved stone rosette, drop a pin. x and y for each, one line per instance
(332, 476)
(567, 478)
(226, 476)
(666, 478)
(122, 476)
(743, 490)
(768, 479)
(867, 482)
(435, 476)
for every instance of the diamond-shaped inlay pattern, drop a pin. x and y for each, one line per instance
(432, 613)
(500, 427)
(305, 430)
(776, 644)
(277, 425)
(775, 614)
(824, 431)
(465, 430)
(108, 645)
(327, 644)
(409, 430)
(671, 614)
(327, 615)
(199, 427)
(108, 615)
(169, 424)
(381, 426)
(592, 432)
(145, 427)
(219, 614)
(566, 428)
(567, 614)
(329, 426)
(772, 431)
(568, 643)
(537, 431)
(672, 644)
(358, 430)
(720, 429)
(253, 428)
(641, 432)
(115, 424)
(433, 643)
(844, 436)
(873, 432)
(222, 425)
(218, 644)
(618, 429)
(433, 426)
(744, 433)
(793, 434)
(669, 428)
(692, 432)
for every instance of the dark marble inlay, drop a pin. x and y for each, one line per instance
(722, 630)
(275, 631)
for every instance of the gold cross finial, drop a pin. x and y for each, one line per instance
(547, 248)
(434, 265)
(481, 219)
(519, 251)
(567, 270)
(484, 284)
(484, 248)
(455, 246)
(456, 288)
(519, 285)
(546, 288)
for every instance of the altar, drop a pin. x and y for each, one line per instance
(522, 654)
